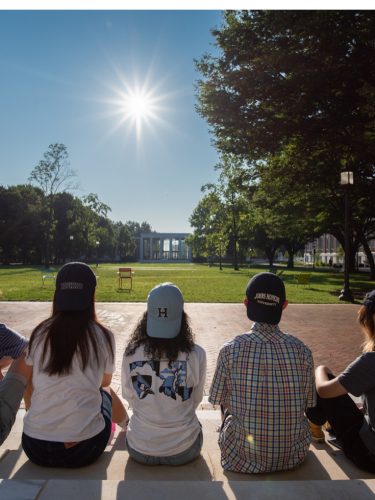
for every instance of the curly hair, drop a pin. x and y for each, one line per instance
(158, 348)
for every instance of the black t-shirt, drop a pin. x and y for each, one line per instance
(359, 379)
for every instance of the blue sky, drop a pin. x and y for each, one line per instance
(65, 76)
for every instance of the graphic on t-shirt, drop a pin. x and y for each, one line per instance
(174, 378)
(142, 385)
(174, 381)
(154, 365)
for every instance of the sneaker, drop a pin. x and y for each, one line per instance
(335, 442)
(317, 433)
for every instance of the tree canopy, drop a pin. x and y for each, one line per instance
(48, 224)
(291, 93)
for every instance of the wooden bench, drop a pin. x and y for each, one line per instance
(303, 279)
(125, 274)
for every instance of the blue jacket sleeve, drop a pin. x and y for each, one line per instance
(11, 392)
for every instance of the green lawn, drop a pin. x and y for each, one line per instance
(198, 282)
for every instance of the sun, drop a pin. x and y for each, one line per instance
(140, 108)
(138, 105)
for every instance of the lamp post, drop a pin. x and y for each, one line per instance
(220, 241)
(346, 180)
(97, 252)
(71, 237)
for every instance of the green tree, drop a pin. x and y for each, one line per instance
(52, 175)
(298, 84)
(66, 209)
(208, 221)
(234, 192)
(99, 208)
(126, 242)
(93, 224)
(20, 224)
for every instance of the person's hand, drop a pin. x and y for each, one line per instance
(360, 407)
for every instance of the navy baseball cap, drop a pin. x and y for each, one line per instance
(165, 305)
(265, 293)
(75, 286)
(369, 302)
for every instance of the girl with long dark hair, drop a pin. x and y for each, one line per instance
(353, 426)
(71, 356)
(163, 376)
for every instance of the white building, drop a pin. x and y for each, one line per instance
(164, 247)
(328, 250)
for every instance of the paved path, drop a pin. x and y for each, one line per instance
(330, 331)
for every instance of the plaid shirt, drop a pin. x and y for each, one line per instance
(265, 379)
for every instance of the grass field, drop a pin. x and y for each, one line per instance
(198, 282)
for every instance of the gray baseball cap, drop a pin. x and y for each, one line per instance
(165, 305)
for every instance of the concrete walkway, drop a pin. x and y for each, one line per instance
(330, 331)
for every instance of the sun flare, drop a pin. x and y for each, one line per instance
(140, 108)
(138, 105)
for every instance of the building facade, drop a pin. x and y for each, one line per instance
(164, 247)
(327, 250)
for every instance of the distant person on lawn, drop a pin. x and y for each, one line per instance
(71, 358)
(353, 427)
(264, 382)
(163, 376)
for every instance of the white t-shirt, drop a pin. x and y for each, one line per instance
(67, 407)
(164, 399)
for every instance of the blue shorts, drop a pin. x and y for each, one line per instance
(180, 459)
(54, 453)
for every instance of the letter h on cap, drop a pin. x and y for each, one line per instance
(163, 311)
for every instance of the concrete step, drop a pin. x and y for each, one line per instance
(325, 469)
(55, 489)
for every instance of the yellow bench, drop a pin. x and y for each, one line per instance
(303, 279)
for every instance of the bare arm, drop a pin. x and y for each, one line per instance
(107, 379)
(326, 387)
(19, 366)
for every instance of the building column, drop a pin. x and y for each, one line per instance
(141, 248)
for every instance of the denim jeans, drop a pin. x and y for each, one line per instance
(54, 453)
(180, 459)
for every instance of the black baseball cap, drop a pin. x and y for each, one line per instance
(369, 302)
(265, 293)
(75, 285)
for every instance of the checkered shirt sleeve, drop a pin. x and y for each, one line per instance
(220, 387)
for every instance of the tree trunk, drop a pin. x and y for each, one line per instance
(290, 264)
(235, 237)
(270, 253)
(369, 256)
(235, 256)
